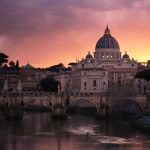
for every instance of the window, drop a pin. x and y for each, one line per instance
(29, 78)
(94, 83)
(104, 83)
(82, 65)
(132, 65)
(103, 73)
(85, 89)
(84, 83)
(119, 81)
(84, 73)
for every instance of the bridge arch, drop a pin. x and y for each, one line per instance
(126, 106)
(78, 99)
(137, 104)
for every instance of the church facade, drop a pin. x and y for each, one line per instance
(106, 67)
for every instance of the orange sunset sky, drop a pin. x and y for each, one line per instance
(47, 32)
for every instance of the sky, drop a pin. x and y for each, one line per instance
(48, 32)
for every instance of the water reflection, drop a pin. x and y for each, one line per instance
(38, 132)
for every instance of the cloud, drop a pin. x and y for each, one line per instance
(24, 18)
(47, 24)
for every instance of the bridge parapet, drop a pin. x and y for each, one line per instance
(37, 93)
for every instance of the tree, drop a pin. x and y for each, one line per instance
(56, 68)
(49, 84)
(17, 64)
(5, 66)
(11, 64)
(3, 58)
(145, 74)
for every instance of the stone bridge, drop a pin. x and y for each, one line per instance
(102, 102)
(99, 100)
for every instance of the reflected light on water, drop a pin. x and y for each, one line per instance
(38, 132)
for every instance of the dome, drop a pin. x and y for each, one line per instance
(89, 56)
(28, 66)
(125, 55)
(107, 41)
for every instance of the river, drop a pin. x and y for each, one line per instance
(36, 131)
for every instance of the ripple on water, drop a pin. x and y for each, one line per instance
(44, 133)
(114, 140)
(81, 130)
(89, 131)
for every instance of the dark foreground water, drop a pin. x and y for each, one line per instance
(38, 132)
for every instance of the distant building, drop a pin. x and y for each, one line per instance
(94, 73)
(9, 79)
(28, 78)
(107, 66)
(88, 80)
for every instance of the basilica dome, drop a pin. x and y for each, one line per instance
(107, 41)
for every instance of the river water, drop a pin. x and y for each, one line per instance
(36, 131)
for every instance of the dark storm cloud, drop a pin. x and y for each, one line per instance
(20, 18)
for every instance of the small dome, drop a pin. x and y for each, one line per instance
(126, 56)
(89, 56)
(107, 41)
(28, 66)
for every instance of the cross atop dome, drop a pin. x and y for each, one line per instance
(107, 31)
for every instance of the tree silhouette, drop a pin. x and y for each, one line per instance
(3, 59)
(5, 66)
(144, 74)
(17, 64)
(11, 64)
(49, 84)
